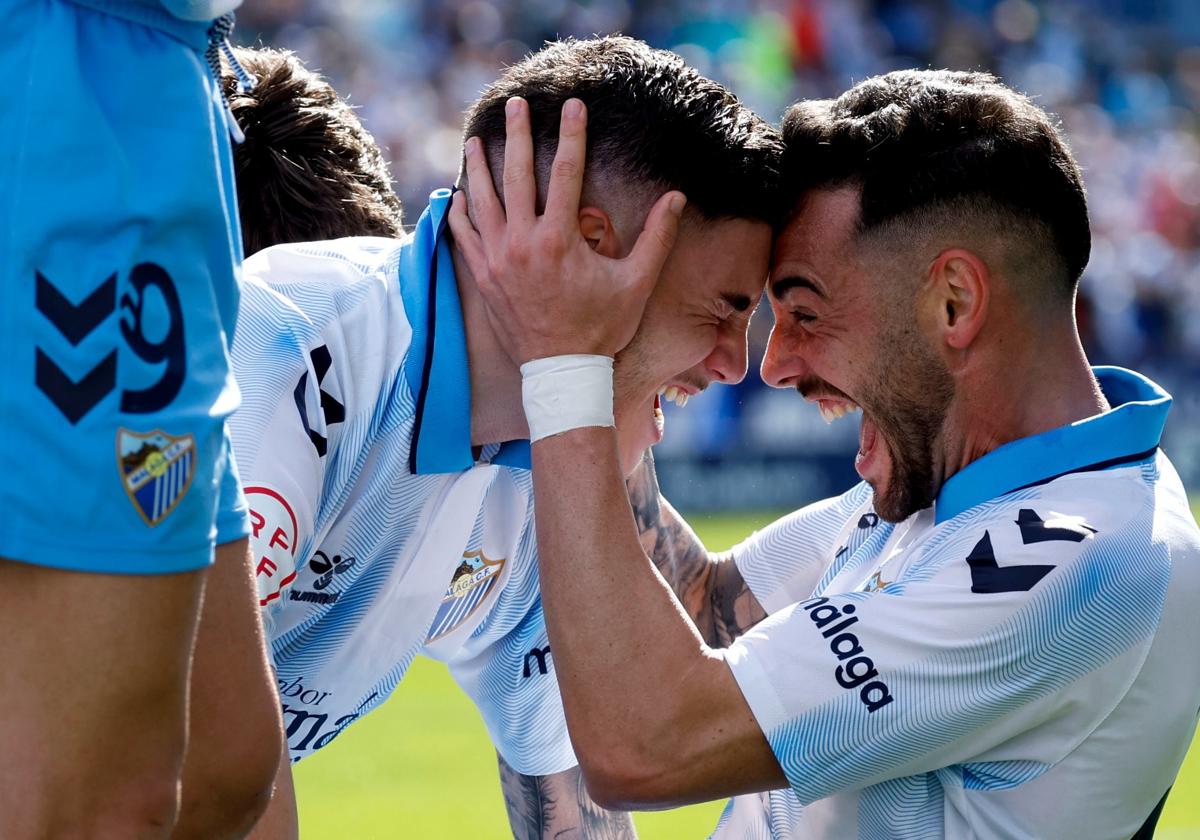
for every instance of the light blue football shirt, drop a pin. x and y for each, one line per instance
(187, 20)
(378, 533)
(1016, 661)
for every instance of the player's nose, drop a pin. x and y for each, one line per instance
(782, 365)
(728, 360)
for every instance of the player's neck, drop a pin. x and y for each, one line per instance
(496, 411)
(1017, 393)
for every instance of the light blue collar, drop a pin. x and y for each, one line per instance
(436, 366)
(1129, 432)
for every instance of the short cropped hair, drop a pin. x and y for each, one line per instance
(654, 124)
(950, 145)
(307, 170)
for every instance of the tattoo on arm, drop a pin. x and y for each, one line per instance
(558, 806)
(709, 586)
(528, 809)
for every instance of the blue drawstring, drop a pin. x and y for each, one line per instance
(218, 42)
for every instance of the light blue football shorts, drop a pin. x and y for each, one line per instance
(118, 292)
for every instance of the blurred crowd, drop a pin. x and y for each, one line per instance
(1123, 75)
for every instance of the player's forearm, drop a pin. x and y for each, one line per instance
(709, 586)
(558, 806)
(642, 693)
(280, 821)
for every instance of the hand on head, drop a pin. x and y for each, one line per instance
(547, 292)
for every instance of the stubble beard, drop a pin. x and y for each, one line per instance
(909, 402)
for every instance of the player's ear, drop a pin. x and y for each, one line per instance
(954, 299)
(597, 228)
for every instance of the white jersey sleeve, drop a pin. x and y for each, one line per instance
(783, 563)
(972, 659)
(507, 669)
(516, 691)
(315, 329)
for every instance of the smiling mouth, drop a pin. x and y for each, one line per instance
(669, 393)
(832, 408)
(835, 408)
(673, 393)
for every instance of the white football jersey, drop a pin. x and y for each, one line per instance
(378, 532)
(1017, 661)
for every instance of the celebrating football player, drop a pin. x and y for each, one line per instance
(991, 635)
(382, 441)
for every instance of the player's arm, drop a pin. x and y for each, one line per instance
(557, 806)
(709, 585)
(235, 733)
(280, 821)
(655, 715)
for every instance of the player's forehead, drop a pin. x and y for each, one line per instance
(725, 256)
(818, 241)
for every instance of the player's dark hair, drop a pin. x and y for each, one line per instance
(654, 124)
(917, 141)
(307, 170)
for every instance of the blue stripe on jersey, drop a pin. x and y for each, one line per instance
(1134, 425)
(999, 775)
(908, 808)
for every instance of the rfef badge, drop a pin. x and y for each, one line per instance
(473, 580)
(156, 470)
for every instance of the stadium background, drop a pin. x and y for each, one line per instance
(1123, 75)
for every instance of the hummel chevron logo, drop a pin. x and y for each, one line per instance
(75, 322)
(1035, 530)
(332, 410)
(989, 578)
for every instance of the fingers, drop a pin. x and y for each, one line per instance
(489, 215)
(469, 243)
(566, 174)
(656, 240)
(519, 189)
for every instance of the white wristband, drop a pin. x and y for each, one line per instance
(561, 393)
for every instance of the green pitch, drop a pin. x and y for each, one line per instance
(422, 765)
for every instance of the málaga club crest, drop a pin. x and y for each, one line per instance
(156, 470)
(472, 582)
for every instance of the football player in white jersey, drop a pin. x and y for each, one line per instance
(382, 441)
(992, 635)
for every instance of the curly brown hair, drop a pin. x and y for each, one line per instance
(307, 170)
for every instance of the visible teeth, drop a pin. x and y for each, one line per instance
(835, 411)
(675, 394)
